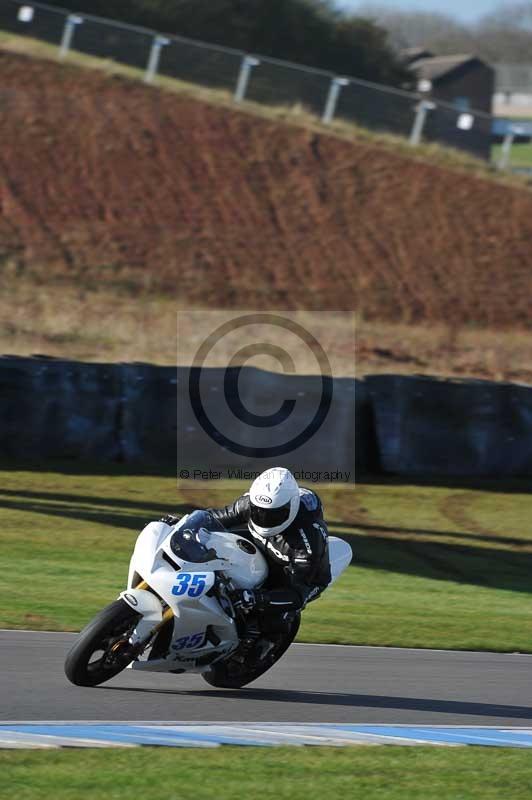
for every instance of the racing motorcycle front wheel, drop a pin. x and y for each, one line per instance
(238, 670)
(102, 649)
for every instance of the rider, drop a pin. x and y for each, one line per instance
(286, 523)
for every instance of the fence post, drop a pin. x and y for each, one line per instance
(68, 32)
(155, 54)
(248, 62)
(506, 148)
(422, 109)
(332, 99)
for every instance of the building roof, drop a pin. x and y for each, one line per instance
(411, 54)
(433, 69)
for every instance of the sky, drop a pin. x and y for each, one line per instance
(463, 10)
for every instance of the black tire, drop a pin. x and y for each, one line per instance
(111, 625)
(229, 674)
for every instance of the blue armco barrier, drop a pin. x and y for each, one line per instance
(404, 425)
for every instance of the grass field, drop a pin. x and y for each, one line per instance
(67, 320)
(372, 773)
(520, 154)
(434, 566)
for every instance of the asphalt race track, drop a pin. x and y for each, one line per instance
(312, 683)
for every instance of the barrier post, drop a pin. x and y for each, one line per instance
(68, 32)
(332, 99)
(155, 54)
(506, 149)
(248, 62)
(422, 109)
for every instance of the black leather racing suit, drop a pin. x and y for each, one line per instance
(298, 558)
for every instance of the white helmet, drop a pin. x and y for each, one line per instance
(274, 501)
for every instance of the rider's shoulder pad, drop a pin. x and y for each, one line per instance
(309, 499)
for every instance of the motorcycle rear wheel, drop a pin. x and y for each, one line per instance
(109, 629)
(229, 674)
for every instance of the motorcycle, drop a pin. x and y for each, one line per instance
(177, 613)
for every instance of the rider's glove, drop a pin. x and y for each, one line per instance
(245, 600)
(170, 519)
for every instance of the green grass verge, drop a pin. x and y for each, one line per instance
(520, 154)
(372, 773)
(434, 566)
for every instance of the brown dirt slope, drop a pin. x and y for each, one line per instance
(106, 180)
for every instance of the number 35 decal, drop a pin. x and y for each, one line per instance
(189, 642)
(191, 584)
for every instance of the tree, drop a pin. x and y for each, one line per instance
(371, 60)
(504, 35)
(309, 32)
(433, 30)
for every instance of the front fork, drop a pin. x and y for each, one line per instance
(150, 608)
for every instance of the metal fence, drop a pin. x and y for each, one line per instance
(252, 77)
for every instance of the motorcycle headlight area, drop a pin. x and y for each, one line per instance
(185, 545)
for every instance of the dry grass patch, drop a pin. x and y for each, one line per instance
(65, 320)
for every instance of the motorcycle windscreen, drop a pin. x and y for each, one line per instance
(185, 542)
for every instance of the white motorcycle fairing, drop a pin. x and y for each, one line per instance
(203, 631)
(340, 556)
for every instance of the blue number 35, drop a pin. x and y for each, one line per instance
(192, 584)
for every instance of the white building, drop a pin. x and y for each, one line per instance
(513, 90)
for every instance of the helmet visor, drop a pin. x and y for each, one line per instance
(269, 517)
